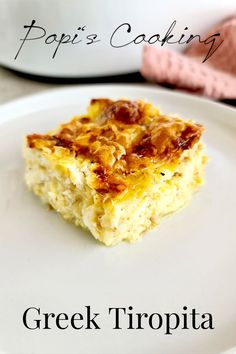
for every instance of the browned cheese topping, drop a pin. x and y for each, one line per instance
(121, 137)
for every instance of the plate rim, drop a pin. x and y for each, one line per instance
(27, 100)
(7, 108)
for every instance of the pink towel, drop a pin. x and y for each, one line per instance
(215, 78)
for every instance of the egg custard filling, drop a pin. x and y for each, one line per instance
(118, 169)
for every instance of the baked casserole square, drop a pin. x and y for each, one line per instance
(118, 169)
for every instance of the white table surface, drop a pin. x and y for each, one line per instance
(13, 86)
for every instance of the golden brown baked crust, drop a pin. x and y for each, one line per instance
(120, 137)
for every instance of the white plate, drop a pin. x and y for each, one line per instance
(190, 260)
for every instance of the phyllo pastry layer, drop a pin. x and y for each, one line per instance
(118, 169)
